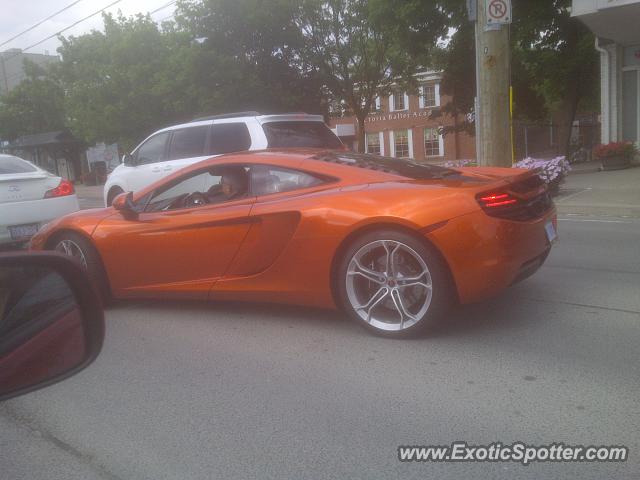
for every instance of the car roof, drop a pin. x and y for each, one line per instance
(318, 160)
(243, 117)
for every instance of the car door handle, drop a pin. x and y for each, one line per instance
(155, 169)
(168, 168)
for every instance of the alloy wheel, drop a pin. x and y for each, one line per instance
(389, 285)
(71, 248)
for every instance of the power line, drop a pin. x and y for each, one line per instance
(163, 7)
(4, 59)
(70, 26)
(39, 23)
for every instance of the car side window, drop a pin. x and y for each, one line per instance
(228, 138)
(214, 185)
(188, 142)
(153, 150)
(267, 179)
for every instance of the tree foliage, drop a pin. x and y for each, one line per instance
(359, 50)
(34, 106)
(553, 70)
(134, 77)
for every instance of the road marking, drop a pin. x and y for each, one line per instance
(590, 220)
(583, 305)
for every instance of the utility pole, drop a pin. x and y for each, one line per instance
(493, 64)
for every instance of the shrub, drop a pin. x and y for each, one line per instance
(459, 163)
(614, 149)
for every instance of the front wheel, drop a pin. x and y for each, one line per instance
(81, 249)
(393, 284)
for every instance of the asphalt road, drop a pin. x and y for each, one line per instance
(196, 391)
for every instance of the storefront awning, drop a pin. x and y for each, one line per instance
(617, 21)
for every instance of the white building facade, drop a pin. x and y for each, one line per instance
(616, 24)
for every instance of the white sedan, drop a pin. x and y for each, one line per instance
(29, 198)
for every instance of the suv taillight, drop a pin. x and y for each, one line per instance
(62, 190)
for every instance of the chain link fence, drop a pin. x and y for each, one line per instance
(541, 140)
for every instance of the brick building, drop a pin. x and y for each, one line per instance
(409, 126)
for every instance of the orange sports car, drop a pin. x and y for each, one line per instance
(390, 241)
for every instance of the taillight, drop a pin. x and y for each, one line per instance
(62, 190)
(497, 199)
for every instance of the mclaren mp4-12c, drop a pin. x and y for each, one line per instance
(392, 242)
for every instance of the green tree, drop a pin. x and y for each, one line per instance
(554, 64)
(557, 53)
(126, 82)
(360, 49)
(36, 105)
(250, 56)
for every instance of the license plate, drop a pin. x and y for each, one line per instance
(551, 232)
(21, 232)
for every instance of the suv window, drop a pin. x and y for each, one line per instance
(228, 138)
(300, 134)
(188, 142)
(153, 149)
(266, 179)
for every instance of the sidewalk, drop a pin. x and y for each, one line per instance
(587, 191)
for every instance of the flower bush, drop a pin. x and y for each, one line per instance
(614, 149)
(551, 171)
(459, 163)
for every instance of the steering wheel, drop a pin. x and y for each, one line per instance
(195, 199)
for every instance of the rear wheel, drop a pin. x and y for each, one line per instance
(81, 249)
(113, 193)
(393, 284)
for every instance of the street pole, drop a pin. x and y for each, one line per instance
(493, 63)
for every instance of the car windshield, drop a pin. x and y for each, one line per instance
(300, 134)
(397, 166)
(10, 164)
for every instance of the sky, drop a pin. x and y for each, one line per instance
(19, 15)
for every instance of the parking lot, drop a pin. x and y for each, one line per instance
(195, 390)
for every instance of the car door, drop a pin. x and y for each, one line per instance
(177, 252)
(187, 146)
(275, 216)
(147, 160)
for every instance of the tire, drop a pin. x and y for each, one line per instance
(113, 193)
(403, 298)
(77, 246)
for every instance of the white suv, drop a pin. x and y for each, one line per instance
(175, 147)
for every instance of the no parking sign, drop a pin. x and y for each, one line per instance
(498, 12)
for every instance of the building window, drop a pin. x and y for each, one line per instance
(429, 95)
(401, 147)
(398, 99)
(373, 143)
(432, 142)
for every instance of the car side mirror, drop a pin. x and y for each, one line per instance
(128, 160)
(51, 321)
(125, 205)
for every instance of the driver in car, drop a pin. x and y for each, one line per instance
(234, 184)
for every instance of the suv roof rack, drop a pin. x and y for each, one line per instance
(227, 115)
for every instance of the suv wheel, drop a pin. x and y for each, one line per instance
(113, 193)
